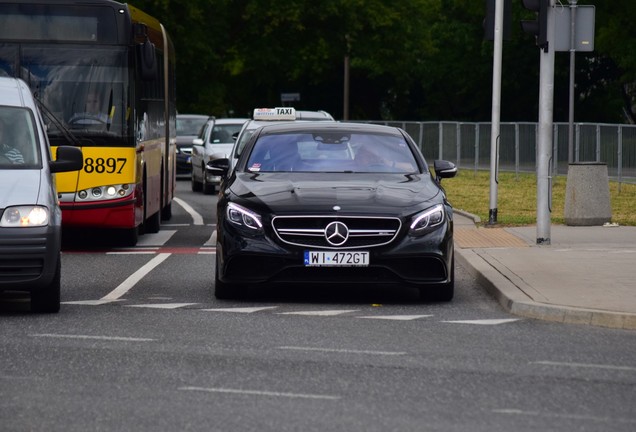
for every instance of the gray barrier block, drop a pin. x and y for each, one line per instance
(587, 197)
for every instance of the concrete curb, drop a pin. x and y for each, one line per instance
(513, 300)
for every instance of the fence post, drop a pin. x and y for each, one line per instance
(476, 147)
(598, 143)
(517, 151)
(620, 157)
(458, 143)
(440, 151)
(578, 142)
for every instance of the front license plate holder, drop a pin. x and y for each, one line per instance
(336, 258)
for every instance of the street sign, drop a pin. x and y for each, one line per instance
(289, 97)
(583, 28)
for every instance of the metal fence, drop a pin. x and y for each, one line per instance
(468, 145)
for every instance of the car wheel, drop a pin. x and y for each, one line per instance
(47, 299)
(208, 189)
(224, 291)
(442, 292)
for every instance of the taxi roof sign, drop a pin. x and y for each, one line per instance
(275, 114)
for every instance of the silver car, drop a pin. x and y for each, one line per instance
(30, 216)
(215, 141)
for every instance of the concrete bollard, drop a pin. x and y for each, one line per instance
(587, 197)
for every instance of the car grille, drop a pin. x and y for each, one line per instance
(336, 232)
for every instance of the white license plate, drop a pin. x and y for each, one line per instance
(331, 258)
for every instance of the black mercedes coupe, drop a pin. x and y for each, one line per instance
(333, 203)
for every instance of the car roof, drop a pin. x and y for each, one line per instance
(193, 116)
(313, 115)
(230, 120)
(13, 91)
(284, 127)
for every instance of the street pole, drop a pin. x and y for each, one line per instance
(544, 148)
(496, 110)
(572, 61)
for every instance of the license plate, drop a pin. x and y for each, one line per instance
(331, 259)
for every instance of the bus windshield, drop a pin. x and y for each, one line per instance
(85, 88)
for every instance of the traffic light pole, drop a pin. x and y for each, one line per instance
(544, 148)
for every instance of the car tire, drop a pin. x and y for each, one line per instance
(208, 189)
(224, 291)
(47, 299)
(442, 292)
(196, 186)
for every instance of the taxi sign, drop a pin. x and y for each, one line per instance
(280, 113)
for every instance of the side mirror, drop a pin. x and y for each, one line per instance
(197, 142)
(219, 167)
(147, 60)
(444, 169)
(68, 158)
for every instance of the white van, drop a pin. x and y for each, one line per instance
(30, 216)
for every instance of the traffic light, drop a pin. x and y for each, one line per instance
(489, 21)
(538, 27)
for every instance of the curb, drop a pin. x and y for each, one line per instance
(512, 299)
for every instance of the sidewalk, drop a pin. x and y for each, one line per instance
(586, 276)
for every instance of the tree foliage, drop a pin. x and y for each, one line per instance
(409, 60)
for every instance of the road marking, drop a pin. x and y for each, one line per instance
(484, 321)
(259, 393)
(344, 351)
(212, 240)
(319, 313)
(110, 338)
(92, 302)
(130, 282)
(564, 416)
(162, 305)
(396, 317)
(241, 310)
(196, 217)
(155, 239)
(585, 365)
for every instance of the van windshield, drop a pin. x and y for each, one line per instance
(19, 147)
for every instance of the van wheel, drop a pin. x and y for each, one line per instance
(47, 299)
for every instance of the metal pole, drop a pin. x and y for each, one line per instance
(496, 110)
(544, 148)
(572, 69)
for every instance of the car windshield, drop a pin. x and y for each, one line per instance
(18, 139)
(222, 133)
(190, 126)
(328, 151)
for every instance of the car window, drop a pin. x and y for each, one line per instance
(19, 147)
(321, 151)
(222, 133)
(190, 126)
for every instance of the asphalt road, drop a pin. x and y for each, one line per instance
(141, 344)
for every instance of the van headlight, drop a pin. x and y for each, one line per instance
(427, 220)
(25, 216)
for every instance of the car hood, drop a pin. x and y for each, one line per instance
(19, 187)
(220, 150)
(320, 192)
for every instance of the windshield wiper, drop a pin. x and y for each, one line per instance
(72, 139)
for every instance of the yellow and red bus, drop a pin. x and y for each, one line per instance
(104, 75)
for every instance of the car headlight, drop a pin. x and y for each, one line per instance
(244, 218)
(25, 216)
(427, 220)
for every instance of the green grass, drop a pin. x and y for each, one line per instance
(517, 198)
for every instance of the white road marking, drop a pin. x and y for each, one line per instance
(585, 365)
(241, 310)
(130, 282)
(564, 416)
(396, 317)
(212, 240)
(111, 338)
(155, 239)
(484, 321)
(319, 313)
(259, 393)
(197, 219)
(162, 305)
(92, 302)
(344, 351)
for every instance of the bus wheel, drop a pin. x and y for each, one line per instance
(47, 299)
(153, 223)
(166, 212)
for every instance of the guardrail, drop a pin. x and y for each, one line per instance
(468, 145)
